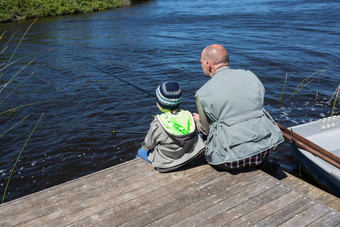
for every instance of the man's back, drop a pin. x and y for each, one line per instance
(234, 91)
(239, 126)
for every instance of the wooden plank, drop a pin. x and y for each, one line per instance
(292, 180)
(292, 206)
(307, 216)
(330, 219)
(232, 216)
(167, 204)
(134, 194)
(329, 200)
(128, 207)
(56, 198)
(335, 204)
(117, 214)
(267, 210)
(304, 188)
(229, 203)
(316, 192)
(177, 210)
(185, 197)
(96, 201)
(248, 181)
(97, 178)
(313, 191)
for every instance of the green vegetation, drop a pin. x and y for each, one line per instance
(16, 162)
(336, 98)
(5, 87)
(307, 81)
(12, 10)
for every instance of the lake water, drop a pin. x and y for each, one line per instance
(145, 45)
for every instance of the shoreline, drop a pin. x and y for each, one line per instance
(13, 11)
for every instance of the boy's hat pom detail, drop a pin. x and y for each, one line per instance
(169, 95)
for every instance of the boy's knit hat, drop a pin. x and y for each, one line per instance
(169, 95)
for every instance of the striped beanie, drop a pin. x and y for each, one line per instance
(169, 95)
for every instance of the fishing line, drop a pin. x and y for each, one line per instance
(115, 132)
(124, 81)
(128, 83)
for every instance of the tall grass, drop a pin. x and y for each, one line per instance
(15, 164)
(307, 82)
(284, 86)
(14, 125)
(336, 98)
(4, 87)
(16, 48)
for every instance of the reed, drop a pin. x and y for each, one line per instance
(17, 85)
(12, 110)
(21, 58)
(336, 98)
(9, 63)
(14, 126)
(18, 45)
(15, 164)
(284, 86)
(2, 34)
(8, 41)
(307, 80)
(4, 87)
(13, 78)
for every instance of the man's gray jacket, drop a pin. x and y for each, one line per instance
(239, 125)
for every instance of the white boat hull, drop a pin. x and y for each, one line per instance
(326, 134)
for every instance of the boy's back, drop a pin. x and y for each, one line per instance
(172, 140)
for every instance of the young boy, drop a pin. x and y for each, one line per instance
(172, 140)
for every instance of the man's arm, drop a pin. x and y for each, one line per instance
(202, 121)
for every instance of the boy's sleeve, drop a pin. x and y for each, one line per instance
(152, 136)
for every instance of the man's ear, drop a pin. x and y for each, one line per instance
(209, 66)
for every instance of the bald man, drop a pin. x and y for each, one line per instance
(239, 132)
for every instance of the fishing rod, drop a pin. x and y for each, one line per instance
(111, 74)
(124, 81)
(114, 132)
(121, 131)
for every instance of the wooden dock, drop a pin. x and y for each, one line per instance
(312, 191)
(134, 194)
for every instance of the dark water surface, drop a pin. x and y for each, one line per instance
(147, 44)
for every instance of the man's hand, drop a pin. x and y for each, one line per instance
(196, 117)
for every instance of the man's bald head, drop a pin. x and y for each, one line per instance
(214, 57)
(216, 54)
